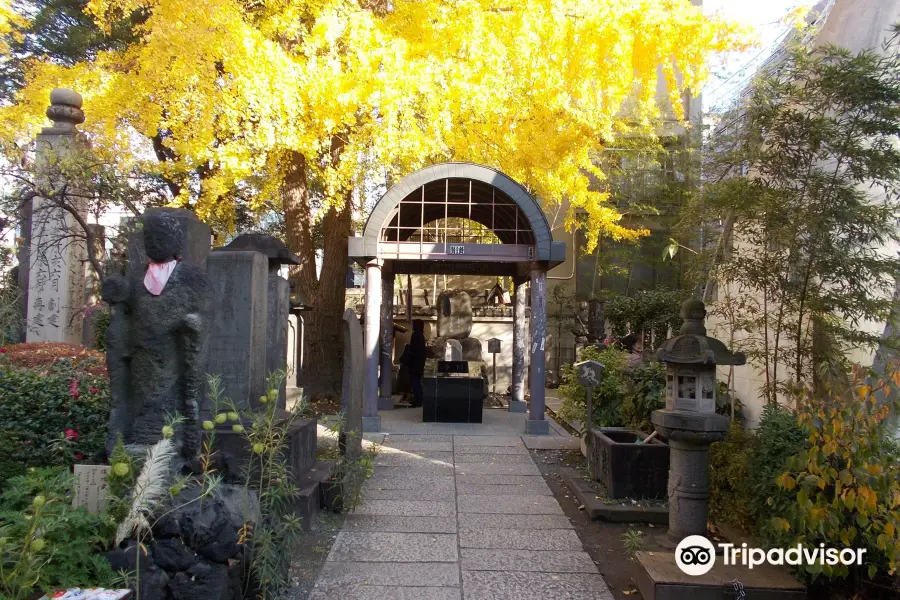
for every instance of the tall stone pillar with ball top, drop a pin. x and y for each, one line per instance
(689, 422)
(537, 423)
(372, 342)
(56, 257)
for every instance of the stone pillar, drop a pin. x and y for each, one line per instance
(239, 316)
(371, 420)
(56, 259)
(536, 423)
(352, 389)
(688, 489)
(385, 397)
(517, 399)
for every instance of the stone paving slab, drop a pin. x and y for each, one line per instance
(424, 467)
(492, 459)
(416, 574)
(457, 511)
(497, 469)
(417, 447)
(398, 479)
(509, 505)
(499, 479)
(413, 458)
(478, 559)
(493, 585)
(408, 508)
(468, 449)
(481, 521)
(531, 489)
(371, 592)
(515, 539)
(379, 546)
(418, 438)
(418, 493)
(393, 524)
(489, 440)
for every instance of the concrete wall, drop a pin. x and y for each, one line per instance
(856, 25)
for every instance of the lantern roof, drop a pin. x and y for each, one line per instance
(692, 346)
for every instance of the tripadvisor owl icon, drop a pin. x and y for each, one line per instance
(695, 555)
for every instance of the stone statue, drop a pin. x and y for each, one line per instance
(156, 340)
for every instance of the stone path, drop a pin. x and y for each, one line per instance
(458, 516)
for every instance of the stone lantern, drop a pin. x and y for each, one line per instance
(689, 422)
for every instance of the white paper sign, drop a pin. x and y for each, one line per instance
(91, 487)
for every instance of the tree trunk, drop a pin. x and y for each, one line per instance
(322, 370)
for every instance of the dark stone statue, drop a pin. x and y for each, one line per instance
(156, 340)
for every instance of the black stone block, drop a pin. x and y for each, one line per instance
(452, 399)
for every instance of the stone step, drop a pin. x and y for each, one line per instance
(659, 578)
(310, 498)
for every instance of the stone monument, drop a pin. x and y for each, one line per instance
(454, 328)
(55, 272)
(156, 339)
(278, 299)
(237, 342)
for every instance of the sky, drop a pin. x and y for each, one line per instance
(732, 72)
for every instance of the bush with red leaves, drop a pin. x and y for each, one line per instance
(45, 354)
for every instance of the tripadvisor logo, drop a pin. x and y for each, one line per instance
(696, 555)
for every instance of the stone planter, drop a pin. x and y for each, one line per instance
(233, 451)
(628, 469)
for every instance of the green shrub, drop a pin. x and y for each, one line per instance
(624, 396)
(744, 467)
(644, 390)
(729, 479)
(607, 395)
(780, 437)
(47, 544)
(51, 417)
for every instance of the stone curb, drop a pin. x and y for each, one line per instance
(616, 513)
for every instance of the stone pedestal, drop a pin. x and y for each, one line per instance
(689, 436)
(237, 341)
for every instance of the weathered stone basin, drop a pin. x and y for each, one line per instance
(626, 468)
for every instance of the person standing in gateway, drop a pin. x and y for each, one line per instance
(417, 360)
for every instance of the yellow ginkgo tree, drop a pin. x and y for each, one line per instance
(279, 102)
